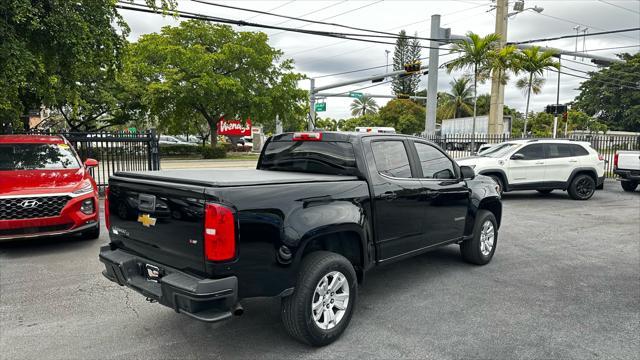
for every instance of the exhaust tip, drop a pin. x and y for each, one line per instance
(238, 310)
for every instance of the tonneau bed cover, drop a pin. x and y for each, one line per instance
(231, 177)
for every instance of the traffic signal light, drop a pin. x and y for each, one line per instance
(402, 96)
(412, 67)
(555, 109)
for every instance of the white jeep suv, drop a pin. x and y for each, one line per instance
(542, 165)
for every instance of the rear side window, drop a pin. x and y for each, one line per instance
(558, 150)
(532, 152)
(323, 157)
(434, 164)
(578, 150)
(391, 158)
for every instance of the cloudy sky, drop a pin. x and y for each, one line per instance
(318, 56)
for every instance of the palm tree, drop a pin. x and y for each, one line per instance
(533, 62)
(459, 102)
(363, 106)
(475, 55)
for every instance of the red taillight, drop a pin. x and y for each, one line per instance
(219, 233)
(107, 223)
(615, 160)
(307, 136)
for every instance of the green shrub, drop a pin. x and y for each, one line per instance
(217, 152)
(180, 150)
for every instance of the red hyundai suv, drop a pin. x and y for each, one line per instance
(45, 189)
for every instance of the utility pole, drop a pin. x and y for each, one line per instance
(312, 104)
(577, 29)
(584, 39)
(432, 79)
(496, 109)
(555, 117)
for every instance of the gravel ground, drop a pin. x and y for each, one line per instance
(564, 283)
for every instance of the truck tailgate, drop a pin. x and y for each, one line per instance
(160, 221)
(629, 160)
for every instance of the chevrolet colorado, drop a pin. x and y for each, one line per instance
(320, 210)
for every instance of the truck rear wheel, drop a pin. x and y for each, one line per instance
(321, 306)
(480, 249)
(629, 185)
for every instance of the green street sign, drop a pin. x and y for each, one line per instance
(321, 107)
(357, 95)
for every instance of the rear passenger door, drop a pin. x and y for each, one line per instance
(397, 197)
(447, 195)
(559, 163)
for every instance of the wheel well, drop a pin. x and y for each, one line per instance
(493, 205)
(586, 172)
(498, 174)
(346, 243)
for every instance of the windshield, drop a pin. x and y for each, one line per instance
(37, 156)
(499, 150)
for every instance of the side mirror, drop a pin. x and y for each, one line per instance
(467, 172)
(89, 163)
(517, 156)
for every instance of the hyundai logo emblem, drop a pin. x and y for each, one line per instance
(29, 204)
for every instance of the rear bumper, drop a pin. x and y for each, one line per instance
(630, 175)
(208, 300)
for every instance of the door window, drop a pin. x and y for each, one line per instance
(434, 164)
(558, 150)
(391, 158)
(532, 152)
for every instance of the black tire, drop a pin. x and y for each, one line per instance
(296, 309)
(498, 181)
(544, 191)
(629, 186)
(582, 187)
(91, 234)
(471, 249)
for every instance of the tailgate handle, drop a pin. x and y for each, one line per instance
(146, 202)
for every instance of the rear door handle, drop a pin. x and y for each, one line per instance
(540, 163)
(573, 161)
(388, 195)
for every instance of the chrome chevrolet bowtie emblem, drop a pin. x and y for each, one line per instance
(146, 220)
(30, 204)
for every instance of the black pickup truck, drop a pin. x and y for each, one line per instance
(320, 210)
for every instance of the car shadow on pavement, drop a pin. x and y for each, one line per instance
(260, 329)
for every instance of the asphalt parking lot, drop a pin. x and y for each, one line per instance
(564, 283)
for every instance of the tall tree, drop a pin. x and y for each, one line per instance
(475, 55)
(59, 53)
(407, 51)
(612, 94)
(365, 105)
(533, 62)
(459, 101)
(404, 115)
(202, 69)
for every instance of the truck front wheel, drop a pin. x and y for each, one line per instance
(321, 306)
(480, 249)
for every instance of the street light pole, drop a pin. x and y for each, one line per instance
(387, 66)
(555, 117)
(584, 39)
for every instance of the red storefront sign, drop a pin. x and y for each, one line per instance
(234, 127)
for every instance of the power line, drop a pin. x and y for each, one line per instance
(620, 7)
(575, 36)
(334, 16)
(275, 8)
(190, 15)
(596, 80)
(313, 12)
(613, 48)
(590, 72)
(581, 24)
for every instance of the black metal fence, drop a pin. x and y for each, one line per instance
(115, 151)
(606, 145)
